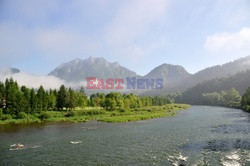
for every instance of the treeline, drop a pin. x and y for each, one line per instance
(116, 100)
(17, 101)
(238, 81)
(228, 98)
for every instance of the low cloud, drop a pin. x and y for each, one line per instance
(237, 42)
(35, 81)
(42, 30)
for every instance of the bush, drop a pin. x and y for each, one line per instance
(137, 109)
(21, 115)
(94, 112)
(247, 108)
(70, 114)
(44, 115)
(6, 117)
(122, 110)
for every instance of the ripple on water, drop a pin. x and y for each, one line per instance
(236, 158)
(178, 159)
(199, 136)
(218, 145)
(231, 128)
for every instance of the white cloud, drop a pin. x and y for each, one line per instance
(237, 42)
(64, 43)
(29, 32)
(133, 19)
(34, 81)
(43, 29)
(18, 42)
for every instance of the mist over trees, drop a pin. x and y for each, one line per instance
(18, 101)
(15, 101)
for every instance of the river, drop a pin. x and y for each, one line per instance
(201, 135)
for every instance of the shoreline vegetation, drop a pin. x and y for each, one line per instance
(24, 105)
(100, 114)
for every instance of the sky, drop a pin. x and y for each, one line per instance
(37, 36)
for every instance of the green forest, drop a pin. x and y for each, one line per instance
(207, 94)
(227, 92)
(21, 104)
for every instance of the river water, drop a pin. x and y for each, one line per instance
(201, 135)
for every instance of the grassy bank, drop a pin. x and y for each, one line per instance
(97, 113)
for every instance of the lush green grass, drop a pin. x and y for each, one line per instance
(96, 113)
(143, 113)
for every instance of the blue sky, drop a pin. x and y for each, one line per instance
(37, 36)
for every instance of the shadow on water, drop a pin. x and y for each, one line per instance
(12, 128)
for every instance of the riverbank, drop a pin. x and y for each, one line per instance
(99, 114)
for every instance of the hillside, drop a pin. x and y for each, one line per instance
(240, 82)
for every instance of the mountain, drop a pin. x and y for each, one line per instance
(239, 81)
(183, 80)
(169, 73)
(176, 78)
(219, 71)
(78, 70)
(224, 70)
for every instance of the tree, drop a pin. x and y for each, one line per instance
(126, 101)
(26, 99)
(97, 100)
(81, 98)
(71, 99)
(112, 101)
(212, 98)
(11, 90)
(62, 98)
(110, 104)
(42, 100)
(245, 103)
(232, 98)
(33, 100)
(52, 100)
(134, 100)
(21, 103)
(229, 98)
(2, 94)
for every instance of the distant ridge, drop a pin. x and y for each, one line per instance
(218, 71)
(176, 78)
(169, 73)
(78, 70)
